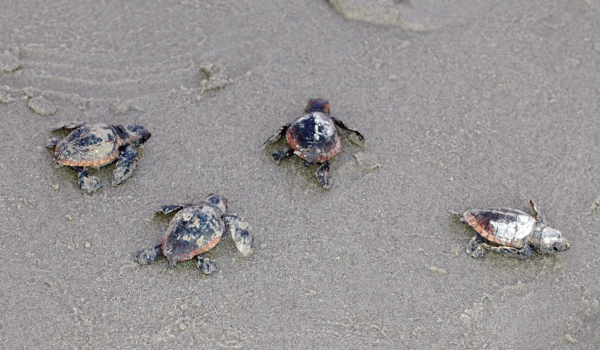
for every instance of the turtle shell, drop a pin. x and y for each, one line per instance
(90, 145)
(503, 226)
(192, 231)
(314, 137)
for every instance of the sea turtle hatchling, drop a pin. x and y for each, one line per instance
(96, 145)
(196, 229)
(315, 138)
(511, 232)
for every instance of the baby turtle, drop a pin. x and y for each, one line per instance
(196, 229)
(314, 137)
(96, 145)
(511, 232)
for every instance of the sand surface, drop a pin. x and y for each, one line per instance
(472, 104)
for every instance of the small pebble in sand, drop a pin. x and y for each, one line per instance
(69, 217)
(377, 63)
(569, 338)
(403, 45)
(436, 269)
(190, 3)
(595, 205)
(5, 97)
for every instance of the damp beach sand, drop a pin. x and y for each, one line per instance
(463, 104)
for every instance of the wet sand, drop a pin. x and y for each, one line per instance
(479, 105)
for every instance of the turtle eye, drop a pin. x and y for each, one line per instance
(214, 200)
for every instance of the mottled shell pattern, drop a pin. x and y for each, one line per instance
(503, 226)
(90, 145)
(314, 136)
(193, 231)
(514, 228)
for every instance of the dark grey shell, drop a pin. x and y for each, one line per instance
(192, 231)
(90, 145)
(314, 137)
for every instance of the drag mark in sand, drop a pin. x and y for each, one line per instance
(583, 329)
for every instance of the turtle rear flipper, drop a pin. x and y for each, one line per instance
(281, 155)
(276, 136)
(239, 233)
(148, 255)
(207, 266)
(360, 139)
(125, 166)
(86, 182)
(475, 247)
(323, 175)
(524, 253)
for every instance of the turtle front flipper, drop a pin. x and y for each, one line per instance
(238, 229)
(281, 155)
(86, 182)
(168, 209)
(524, 253)
(323, 175)
(207, 266)
(475, 247)
(359, 139)
(125, 166)
(538, 216)
(51, 143)
(459, 215)
(276, 136)
(148, 255)
(69, 126)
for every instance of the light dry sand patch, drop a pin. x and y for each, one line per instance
(383, 12)
(5, 96)
(9, 62)
(42, 106)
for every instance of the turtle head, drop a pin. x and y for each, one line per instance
(552, 241)
(216, 200)
(136, 134)
(317, 105)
